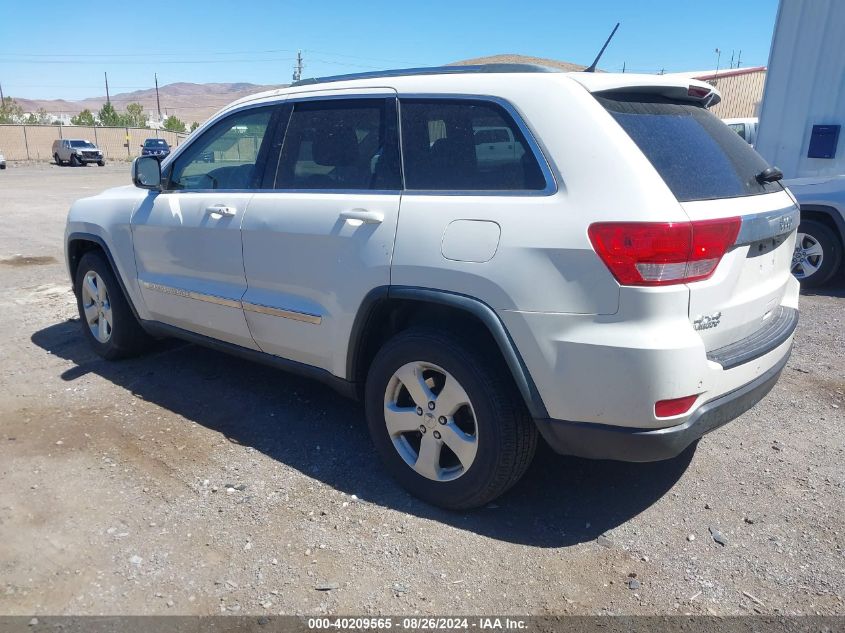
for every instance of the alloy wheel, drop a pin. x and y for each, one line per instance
(431, 421)
(807, 257)
(96, 306)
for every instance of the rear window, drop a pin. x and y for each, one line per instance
(696, 154)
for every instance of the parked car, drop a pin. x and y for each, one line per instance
(620, 285)
(157, 147)
(2, 160)
(77, 152)
(745, 127)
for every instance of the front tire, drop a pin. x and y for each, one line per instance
(57, 159)
(101, 163)
(74, 161)
(447, 421)
(818, 254)
(107, 319)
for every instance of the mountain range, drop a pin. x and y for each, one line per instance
(196, 102)
(188, 101)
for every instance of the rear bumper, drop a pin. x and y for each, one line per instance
(602, 441)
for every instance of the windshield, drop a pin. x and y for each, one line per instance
(155, 142)
(85, 144)
(696, 154)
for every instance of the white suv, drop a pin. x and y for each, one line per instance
(618, 280)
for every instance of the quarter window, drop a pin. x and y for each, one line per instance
(225, 156)
(463, 145)
(340, 144)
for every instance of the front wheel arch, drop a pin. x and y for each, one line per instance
(80, 243)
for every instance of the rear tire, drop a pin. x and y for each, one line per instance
(107, 319)
(818, 254)
(474, 407)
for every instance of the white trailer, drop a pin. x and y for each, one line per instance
(800, 118)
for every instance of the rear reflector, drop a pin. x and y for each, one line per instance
(663, 253)
(670, 408)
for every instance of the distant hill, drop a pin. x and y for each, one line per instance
(196, 102)
(188, 101)
(513, 58)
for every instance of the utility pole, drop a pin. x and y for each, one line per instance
(738, 59)
(158, 103)
(297, 69)
(623, 67)
(2, 98)
(108, 99)
(732, 58)
(718, 57)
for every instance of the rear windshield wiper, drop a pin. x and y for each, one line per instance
(769, 174)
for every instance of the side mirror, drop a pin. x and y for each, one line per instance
(146, 172)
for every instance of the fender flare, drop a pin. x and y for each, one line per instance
(830, 212)
(96, 239)
(475, 307)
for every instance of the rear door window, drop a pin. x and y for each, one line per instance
(698, 156)
(465, 145)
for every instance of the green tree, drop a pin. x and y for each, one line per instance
(173, 124)
(10, 111)
(40, 117)
(109, 117)
(194, 126)
(83, 118)
(135, 115)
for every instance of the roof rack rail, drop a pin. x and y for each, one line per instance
(433, 70)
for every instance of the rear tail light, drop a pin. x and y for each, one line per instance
(663, 253)
(676, 406)
(698, 91)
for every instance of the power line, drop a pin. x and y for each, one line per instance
(148, 63)
(145, 54)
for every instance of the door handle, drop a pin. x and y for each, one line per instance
(221, 209)
(364, 216)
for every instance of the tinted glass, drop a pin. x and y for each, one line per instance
(81, 144)
(340, 144)
(739, 128)
(154, 142)
(225, 156)
(698, 156)
(457, 145)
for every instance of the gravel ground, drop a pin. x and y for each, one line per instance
(190, 482)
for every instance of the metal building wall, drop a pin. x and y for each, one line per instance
(805, 86)
(741, 94)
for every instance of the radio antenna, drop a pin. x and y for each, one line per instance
(592, 67)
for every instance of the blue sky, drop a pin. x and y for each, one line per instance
(60, 50)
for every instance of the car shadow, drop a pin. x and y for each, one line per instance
(561, 501)
(834, 288)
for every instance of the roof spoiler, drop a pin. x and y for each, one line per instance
(697, 92)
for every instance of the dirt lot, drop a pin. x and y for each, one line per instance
(191, 482)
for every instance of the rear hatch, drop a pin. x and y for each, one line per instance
(713, 174)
